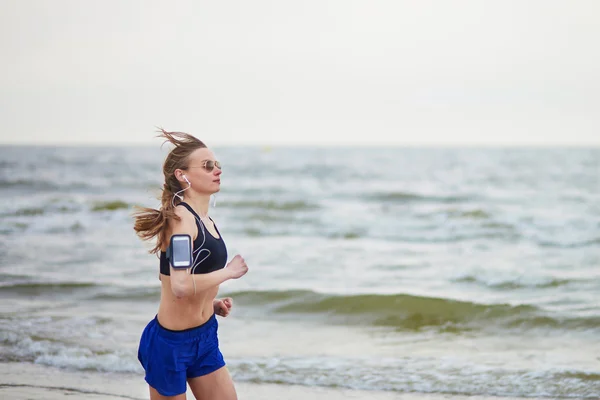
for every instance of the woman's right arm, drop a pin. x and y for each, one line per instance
(185, 284)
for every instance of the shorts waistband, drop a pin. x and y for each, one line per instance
(185, 334)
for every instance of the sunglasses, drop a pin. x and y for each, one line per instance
(209, 165)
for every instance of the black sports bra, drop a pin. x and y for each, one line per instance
(209, 253)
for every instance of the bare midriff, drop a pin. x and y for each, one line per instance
(187, 312)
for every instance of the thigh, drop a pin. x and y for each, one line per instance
(154, 395)
(217, 385)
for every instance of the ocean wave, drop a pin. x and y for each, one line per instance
(453, 237)
(27, 184)
(130, 294)
(85, 360)
(267, 218)
(76, 227)
(86, 290)
(15, 227)
(52, 207)
(12, 278)
(298, 205)
(348, 235)
(453, 213)
(63, 354)
(469, 214)
(405, 197)
(28, 212)
(515, 285)
(418, 375)
(55, 207)
(110, 205)
(569, 245)
(408, 374)
(405, 312)
(51, 285)
(500, 225)
(38, 288)
(6, 164)
(57, 181)
(295, 227)
(302, 227)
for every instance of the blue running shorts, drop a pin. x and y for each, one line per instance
(171, 357)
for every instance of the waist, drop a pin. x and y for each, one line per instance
(189, 333)
(179, 314)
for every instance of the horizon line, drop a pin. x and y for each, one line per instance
(318, 145)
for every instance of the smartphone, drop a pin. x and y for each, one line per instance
(181, 251)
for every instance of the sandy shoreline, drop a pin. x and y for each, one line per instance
(24, 381)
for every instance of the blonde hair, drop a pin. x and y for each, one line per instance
(150, 223)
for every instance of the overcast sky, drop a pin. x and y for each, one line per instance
(310, 72)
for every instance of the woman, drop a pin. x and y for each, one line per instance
(180, 344)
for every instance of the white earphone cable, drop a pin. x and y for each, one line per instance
(199, 249)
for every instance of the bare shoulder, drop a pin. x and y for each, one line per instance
(185, 224)
(183, 213)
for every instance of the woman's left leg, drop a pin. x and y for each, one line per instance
(217, 385)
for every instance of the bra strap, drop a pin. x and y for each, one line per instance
(197, 218)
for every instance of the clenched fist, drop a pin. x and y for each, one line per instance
(223, 306)
(237, 267)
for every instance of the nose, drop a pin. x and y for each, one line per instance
(218, 171)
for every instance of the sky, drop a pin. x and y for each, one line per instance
(311, 72)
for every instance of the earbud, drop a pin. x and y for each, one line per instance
(182, 190)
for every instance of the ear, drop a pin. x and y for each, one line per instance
(179, 175)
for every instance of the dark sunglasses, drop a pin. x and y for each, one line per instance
(209, 165)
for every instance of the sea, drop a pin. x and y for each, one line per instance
(454, 271)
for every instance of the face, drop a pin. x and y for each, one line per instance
(202, 180)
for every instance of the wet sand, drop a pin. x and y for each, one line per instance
(23, 381)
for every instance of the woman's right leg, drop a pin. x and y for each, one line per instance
(154, 395)
(160, 365)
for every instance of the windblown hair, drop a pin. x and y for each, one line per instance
(150, 223)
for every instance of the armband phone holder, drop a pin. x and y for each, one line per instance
(179, 252)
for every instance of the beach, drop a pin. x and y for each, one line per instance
(26, 382)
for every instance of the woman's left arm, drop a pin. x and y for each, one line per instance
(223, 306)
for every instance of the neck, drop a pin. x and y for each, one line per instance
(199, 202)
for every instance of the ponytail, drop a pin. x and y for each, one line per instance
(150, 223)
